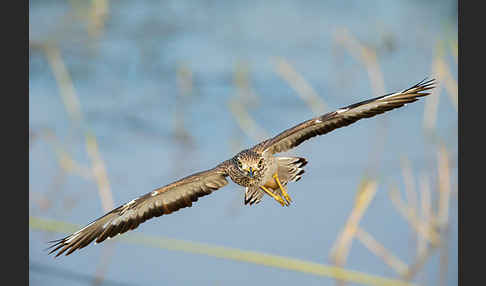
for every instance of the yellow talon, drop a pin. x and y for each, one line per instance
(277, 198)
(284, 192)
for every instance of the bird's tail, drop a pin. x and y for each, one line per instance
(290, 169)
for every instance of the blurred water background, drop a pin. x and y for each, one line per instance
(127, 96)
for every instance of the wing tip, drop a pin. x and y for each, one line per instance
(424, 84)
(56, 244)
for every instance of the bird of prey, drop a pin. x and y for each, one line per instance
(256, 169)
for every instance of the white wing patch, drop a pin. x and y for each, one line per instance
(131, 202)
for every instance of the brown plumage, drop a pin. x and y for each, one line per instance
(256, 169)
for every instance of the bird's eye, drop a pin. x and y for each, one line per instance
(260, 164)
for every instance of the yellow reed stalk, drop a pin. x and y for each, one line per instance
(426, 211)
(430, 234)
(341, 247)
(380, 251)
(73, 107)
(258, 258)
(303, 89)
(246, 123)
(364, 54)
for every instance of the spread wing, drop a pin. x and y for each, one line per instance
(164, 200)
(323, 124)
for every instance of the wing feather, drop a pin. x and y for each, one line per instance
(323, 124)
(164, 200)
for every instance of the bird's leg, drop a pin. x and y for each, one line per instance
(284, 192)
(277, 198)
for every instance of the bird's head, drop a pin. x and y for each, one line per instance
(249, 164)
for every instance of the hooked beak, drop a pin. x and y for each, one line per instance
(250, 172)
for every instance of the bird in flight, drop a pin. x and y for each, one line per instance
(256, 169)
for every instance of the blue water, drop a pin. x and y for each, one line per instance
(126, 83)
